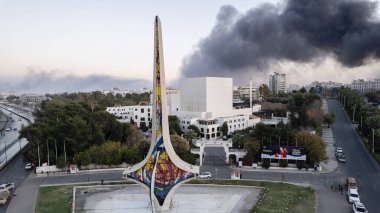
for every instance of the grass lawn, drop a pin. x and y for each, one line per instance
(55, 199)
(277, 197)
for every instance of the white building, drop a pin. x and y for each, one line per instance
(363, 86)
(293, 87)
(277, 82)
(123, 93)
(141, 115)
(32, 98)
(204, 102)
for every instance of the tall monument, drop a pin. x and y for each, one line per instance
(162, 170)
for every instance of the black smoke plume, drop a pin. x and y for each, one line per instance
(302, 31)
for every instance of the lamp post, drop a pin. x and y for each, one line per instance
(216, 173)
(353, 114)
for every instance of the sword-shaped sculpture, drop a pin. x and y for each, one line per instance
(162, 170)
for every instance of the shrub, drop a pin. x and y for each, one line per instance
(300, 164)
(266, 163)
(283, 163)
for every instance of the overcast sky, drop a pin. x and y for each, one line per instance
(71, 45)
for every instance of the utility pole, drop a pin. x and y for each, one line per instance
(64, 151)
(5, 151)
(361, 124)
(373, 140)
(56, 155)
(47, 147)
(38, 152)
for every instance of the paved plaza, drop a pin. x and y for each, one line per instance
(188, 198)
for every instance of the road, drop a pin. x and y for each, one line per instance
(14, 172)
(359, 163)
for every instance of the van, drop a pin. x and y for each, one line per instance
(351, 183)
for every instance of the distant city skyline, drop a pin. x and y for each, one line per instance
(56, 46)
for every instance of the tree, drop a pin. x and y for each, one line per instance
(174, 127)
(190, 135)
(195, 128)
(83, 158)
(225, 129)
(134, 135)
(329, 119)
(316, 148)
(253, 149)
(179, 144)
(264, 91)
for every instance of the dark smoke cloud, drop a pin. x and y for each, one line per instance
(41, 81)
(302, 31)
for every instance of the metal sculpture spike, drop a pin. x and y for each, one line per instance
(162, 170)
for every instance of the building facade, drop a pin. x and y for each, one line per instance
(363, 86)
(277, 82)
(141, 115)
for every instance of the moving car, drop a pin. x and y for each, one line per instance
(205, 175)
(353, 196)
(8, 186)
(358, 208)
(28, 166)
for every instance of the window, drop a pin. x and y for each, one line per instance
(135, 109)
(142, 110)
(201, 129)
(208, 130)
(177, 109)
(188, 122)
(136, 117)
(217, 129)
(213, 130)
(148, 114)
(183, 127)
(148, 109)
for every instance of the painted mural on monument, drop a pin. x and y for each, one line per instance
(167, 174)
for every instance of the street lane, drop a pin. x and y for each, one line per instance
(14, 172)
(359, 163)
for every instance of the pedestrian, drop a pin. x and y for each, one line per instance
(332, 187)
(102, 181)
(341, 190)
(339, 187)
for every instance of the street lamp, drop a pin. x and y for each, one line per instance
(216, 173)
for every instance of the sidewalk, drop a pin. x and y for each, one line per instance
(328, 138)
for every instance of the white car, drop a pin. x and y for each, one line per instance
(8, 186)
(338, 150)
(205, 175)
(353, 196)
(358, 208)
(8, 129)
(28, 166)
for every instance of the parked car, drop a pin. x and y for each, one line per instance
(353, 196)
(4, 196)
(8, 186)
(14, 129)
(358, 208)
(205, 175)
(8, 129)
(341, 158)
(338, 150)
(351, 183)
(28, 166)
